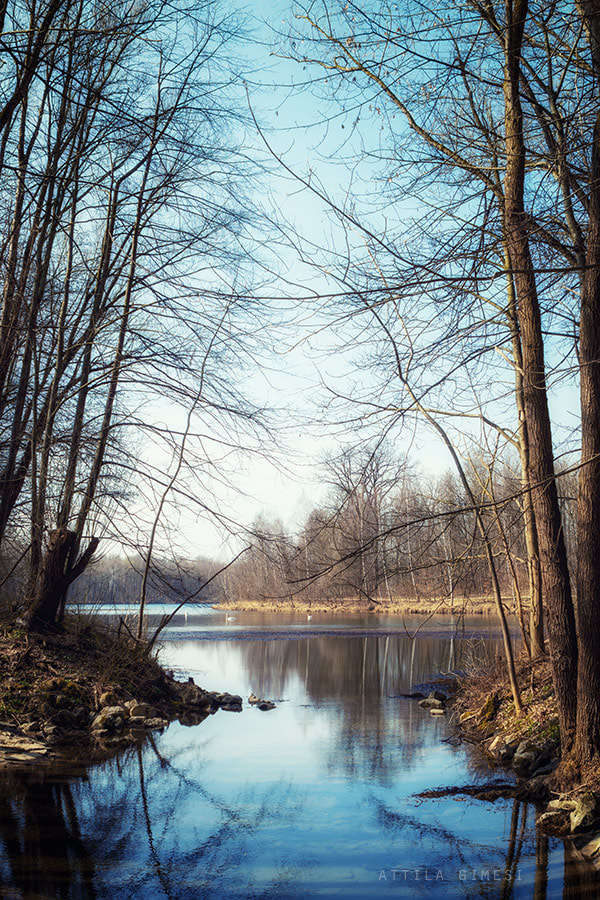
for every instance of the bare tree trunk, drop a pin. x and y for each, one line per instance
(553, 555)
(536, 614)
(54, 578)
(587, 748)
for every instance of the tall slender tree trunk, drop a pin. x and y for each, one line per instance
(536, 614)
(553, 555)
(587, 747)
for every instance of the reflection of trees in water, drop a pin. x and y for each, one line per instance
(501, 870)
(377, 733)
(212, 862)
(144, 826)
(139, 827)
(43, 852)
(581, 880)
(342, 668)
(382, 741)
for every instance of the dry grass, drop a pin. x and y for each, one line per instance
(483, 716)
(395, 606)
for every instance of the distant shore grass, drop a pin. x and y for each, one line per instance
(423, 606)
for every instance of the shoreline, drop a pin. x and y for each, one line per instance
(474, 606)
(80, 693)
(528, 746)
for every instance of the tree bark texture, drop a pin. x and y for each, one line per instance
(54, 578)
(536, 613)
(553, 556)
(587, 747)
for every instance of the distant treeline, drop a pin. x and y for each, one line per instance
(384, 532)
(117, 579)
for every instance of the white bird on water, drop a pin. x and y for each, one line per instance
(230, 618)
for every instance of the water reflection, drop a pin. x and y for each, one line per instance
(123, 834)
(366, 667)
(313, 799)
(43, 853)
(137, 846)
(355, 681)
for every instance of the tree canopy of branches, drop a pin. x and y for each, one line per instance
(488, 143)
(122, 228)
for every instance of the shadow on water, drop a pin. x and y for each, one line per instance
(133, 852)
(313, 799)
(116, 838)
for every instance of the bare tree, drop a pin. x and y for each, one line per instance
(123, 233)
(498, 106)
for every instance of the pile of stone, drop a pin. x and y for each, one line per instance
(528, 758)
(572, 813)
(115, 717)
(578, 815)
(575, 815)
(115, 720)
(264, 705)
(196, 699)
(190, 703)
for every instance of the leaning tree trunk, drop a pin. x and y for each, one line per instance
(553, 555)
(46, 592)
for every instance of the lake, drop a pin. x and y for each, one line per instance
(315, 798)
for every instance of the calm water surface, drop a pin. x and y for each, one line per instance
(312, 799)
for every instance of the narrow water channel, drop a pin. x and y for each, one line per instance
(315, 798)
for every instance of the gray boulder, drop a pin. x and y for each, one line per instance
(110, 718)
(227, 702)
(563, 802)
(503, 748)
(191, 694)
(136, 721)
(155, 723)
(555, 818)
(507, 752)
(141, 709)
(585, 813)
(528, 757)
